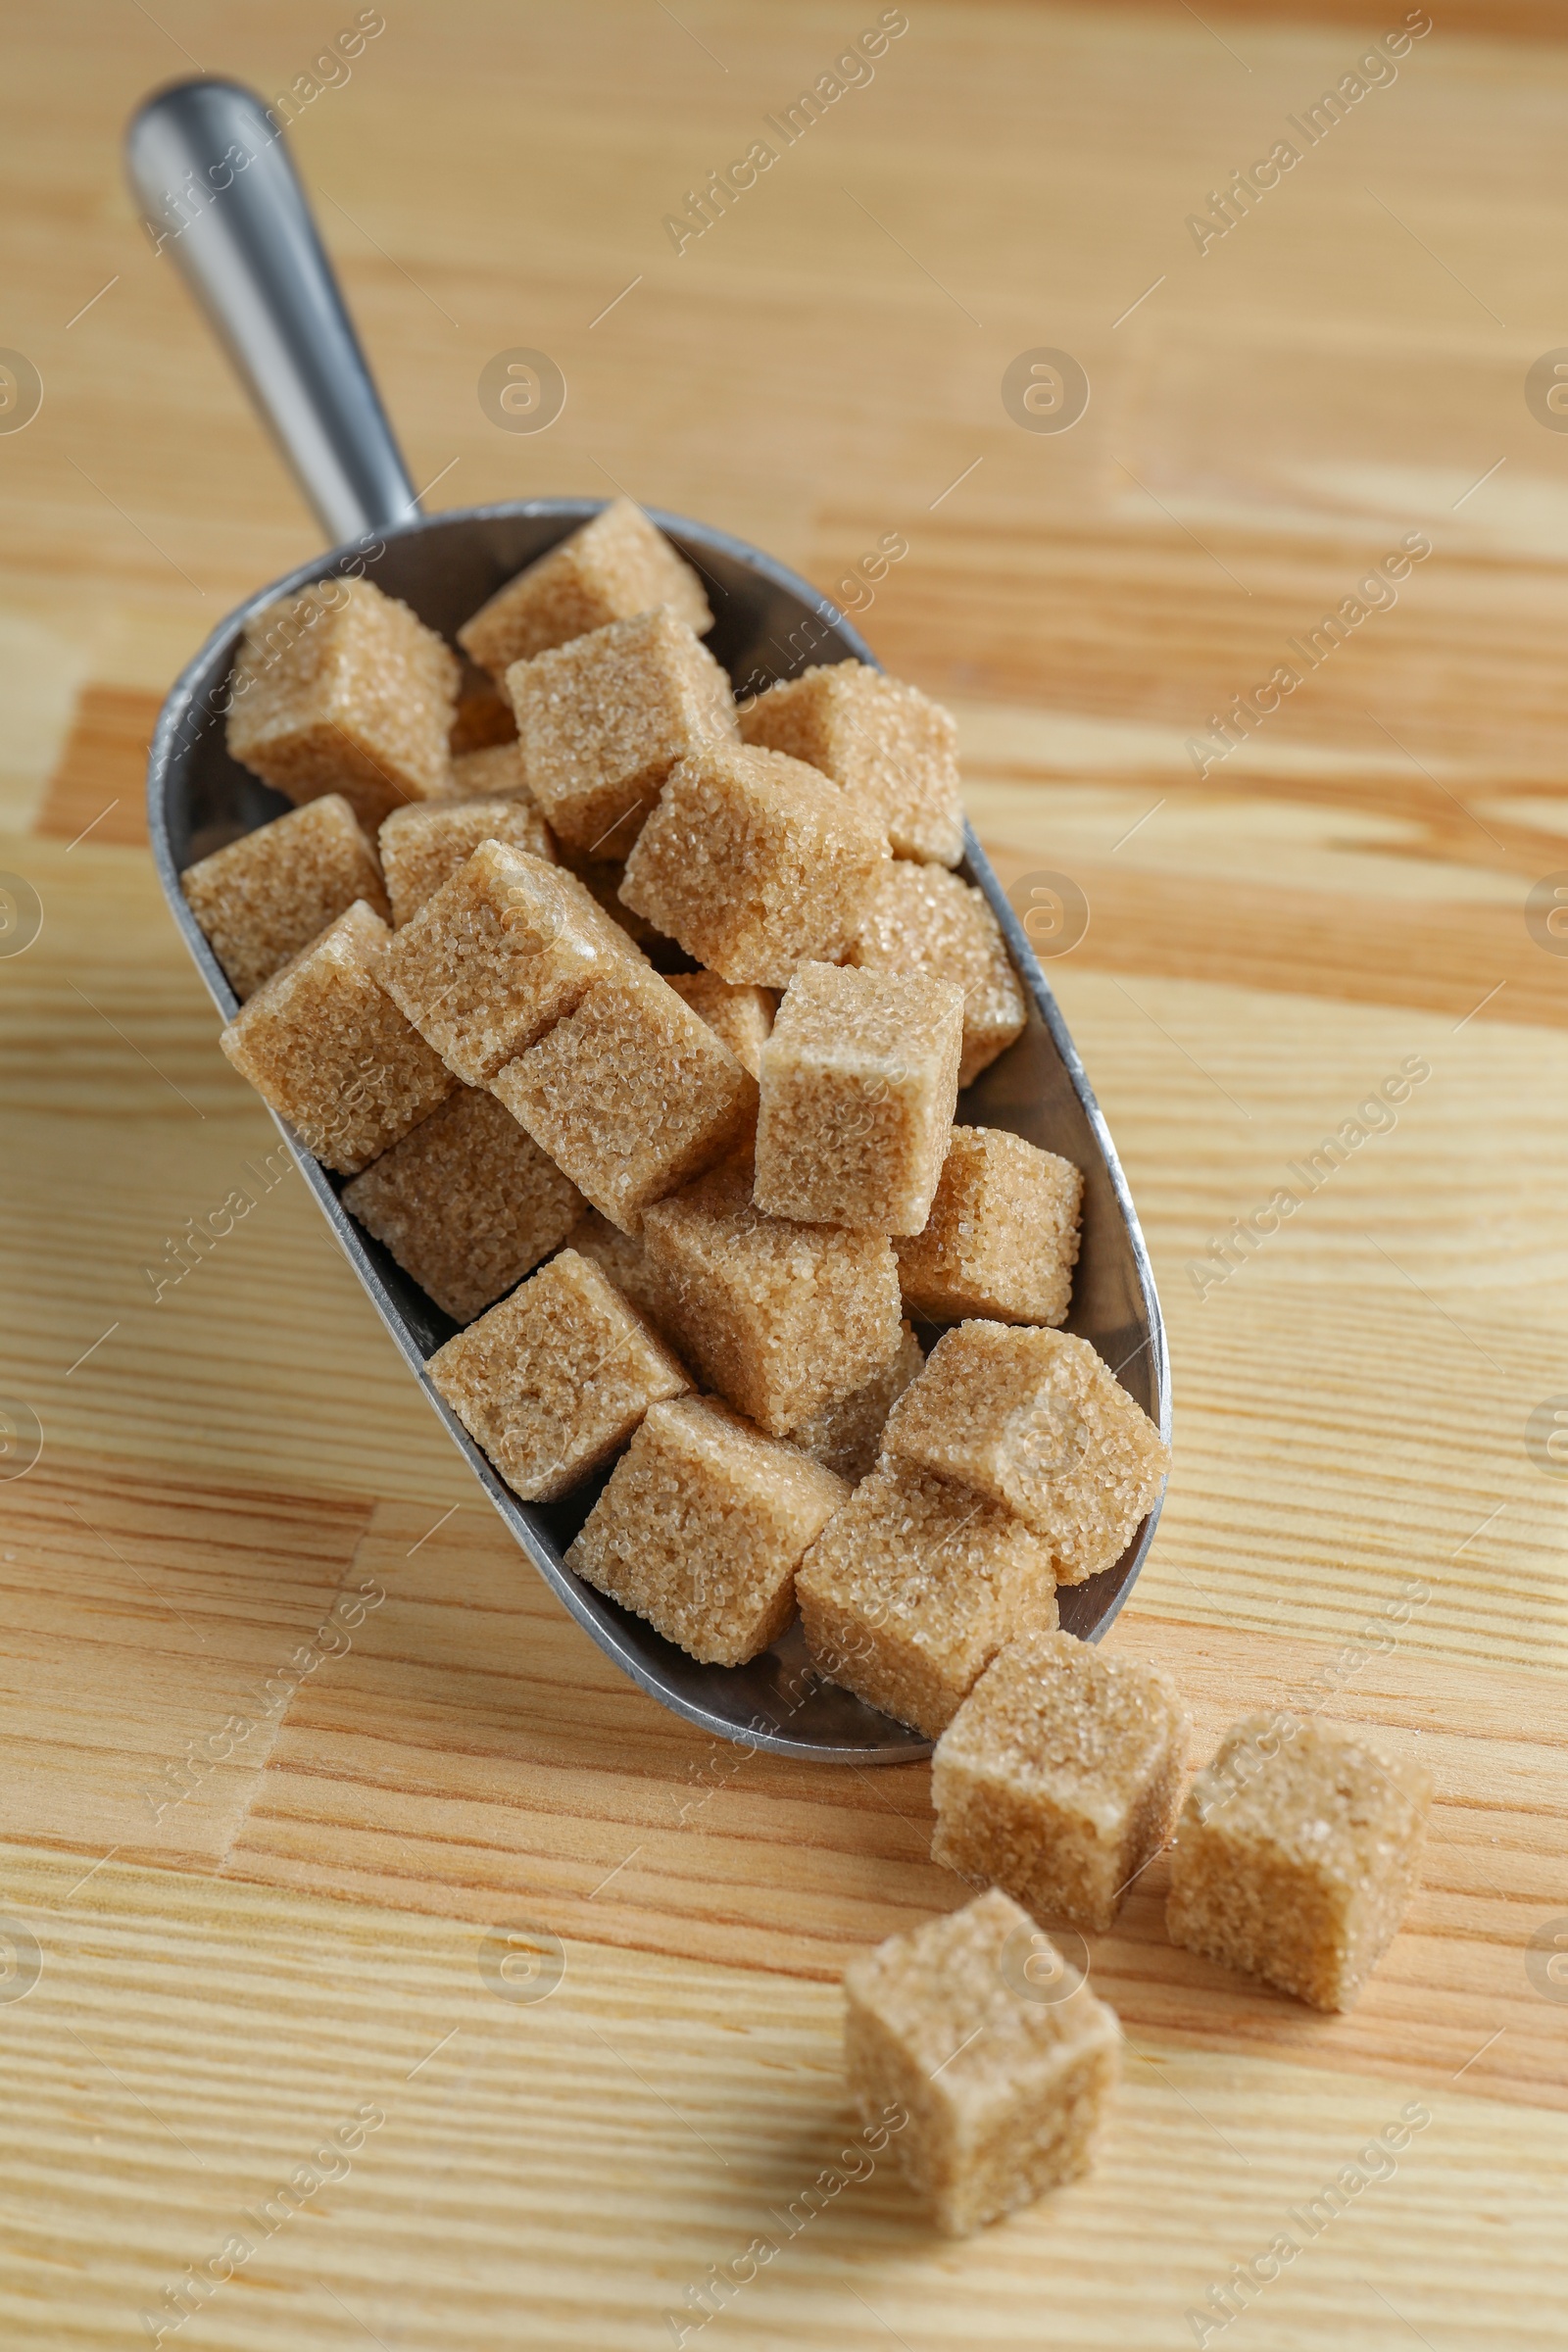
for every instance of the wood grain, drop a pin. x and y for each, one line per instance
(200, 1599)
(189, 2045)
(228, 1463)
(99, 788)
(474, 1745)
(462, 1743)
(1304, 942)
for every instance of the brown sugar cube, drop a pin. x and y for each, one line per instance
(263, 897)
(499, 953)
(741, 1016)
(925, 921)
(345, 690)
(780, 1319)
(468, 1204)
(959, 2026)
(1001, 1238)
(493, 772)
(1296, 1853)
(631, 1094)
(328, 1050)
(1059, 1778)
(860, 1079)
(906, 1597)
(754, 865)
(610, 569)
(554, 1380)
(894, 753)
(422, 848)
(602, 721)
(622, 1257)
(847, 1437)
(701, 1527)
(1034, 1420)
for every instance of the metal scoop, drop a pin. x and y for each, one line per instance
(212, 177)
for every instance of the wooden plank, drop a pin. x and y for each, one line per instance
(1496, 19)
(1042, 611)
(262, 1362)
(1284, 940)
(151, 1636)
(99, 788)
(266, 1355)
(564, 2170)
(477, 1747)
(1304, 942)
(408, 1716)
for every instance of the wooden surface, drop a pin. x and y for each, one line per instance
(309, 1931)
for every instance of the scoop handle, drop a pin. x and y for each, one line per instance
(221, 199)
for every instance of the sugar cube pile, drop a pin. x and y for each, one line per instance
(637, 1025)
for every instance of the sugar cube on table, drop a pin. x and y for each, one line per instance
(424, 847)
(611, 568)
(554, 1380)
(909, 1593)
(502, 950)
(860, 1079)
(261, 899)
(1297, 1853)
(924, 919)
(345, 690)
(781, 1319)
(755, 864)
(629, 1093)
(1037, 1421)
(847, 1437)
(961, 2028)
(701, 1527)
(893, 752)
(493, 772)
(328, 1050)
(466, 1203)
(603, 720)
(742, 1017)
(1001, 1238)
(1059, 1778)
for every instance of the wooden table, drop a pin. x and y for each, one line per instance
(309, 1925)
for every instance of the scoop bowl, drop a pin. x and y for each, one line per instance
(255, 263)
